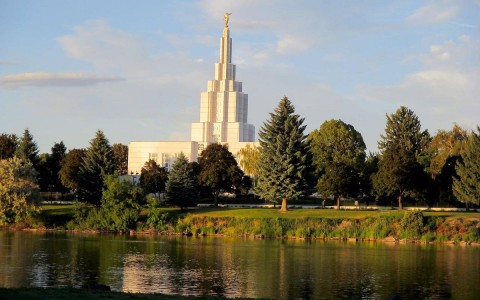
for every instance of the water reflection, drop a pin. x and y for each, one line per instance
(240, 268)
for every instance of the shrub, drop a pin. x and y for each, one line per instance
(411, 225)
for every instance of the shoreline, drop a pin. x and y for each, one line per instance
(387, 240)
(355, 226)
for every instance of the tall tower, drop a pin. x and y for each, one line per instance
(223, 107)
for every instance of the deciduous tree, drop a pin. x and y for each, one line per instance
(49, 168)
(219, 170)
(120, 157)
(248, 158)
(70, 169)
(18, 190)
(8, 145)
(339, 156)
(120, 209)
(445, 151)
(285, 161)
(153, 178)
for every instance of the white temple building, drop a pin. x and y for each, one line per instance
(223, 118)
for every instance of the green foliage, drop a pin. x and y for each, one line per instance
(339, 155)
(49, 168)
(444, 145)
(219, 170)
(97, 164)
(70, 168)
(157, 217)
(399, 171)
(18, 190)
(370, 167)
(8, 145)
(120, 158)
(285, 161)
(27, 149)
(182, 185)
(467, 186)
(119, 210)
(248, 158)
(411, 225)
(153, 178)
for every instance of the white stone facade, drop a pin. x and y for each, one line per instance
(223, 119)
(163, 153)
(224, 106)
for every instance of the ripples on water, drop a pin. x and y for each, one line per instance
(240, 268)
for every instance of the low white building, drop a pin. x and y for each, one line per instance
(164, 153)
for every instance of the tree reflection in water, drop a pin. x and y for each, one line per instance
(239, 267)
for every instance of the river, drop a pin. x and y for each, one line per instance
(233, 267)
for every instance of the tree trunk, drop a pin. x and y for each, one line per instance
(338, 201)
(284, 205)
(466, 206)
(215, 198)
(400, 204)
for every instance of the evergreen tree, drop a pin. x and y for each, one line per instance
(97, 164)
(8, 145)
(219, 170)
(285, 161)
(27, 149)
(467, 186)
(339, 156)
(399, 172)
(182, 185)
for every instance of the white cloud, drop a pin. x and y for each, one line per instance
(289, 44)
(53, 79)
(435, 11)
(444, 90)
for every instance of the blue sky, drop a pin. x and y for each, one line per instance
(135, 69)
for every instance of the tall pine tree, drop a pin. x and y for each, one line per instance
(182, 185)
(467, 186)
(27, 149)
(97, 164)
(285, 160)
(399, 172)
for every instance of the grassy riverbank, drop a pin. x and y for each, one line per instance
(330, 224)
(298, 223)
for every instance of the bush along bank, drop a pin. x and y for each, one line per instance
(413, 226)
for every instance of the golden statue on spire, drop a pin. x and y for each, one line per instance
(226, 16)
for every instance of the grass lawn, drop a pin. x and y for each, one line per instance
(315, 213)
(54, 216)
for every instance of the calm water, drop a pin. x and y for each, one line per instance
(240, 268)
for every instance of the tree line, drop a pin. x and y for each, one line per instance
(332, 161)
(289, 164)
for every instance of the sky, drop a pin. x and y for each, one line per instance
(135, 69)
